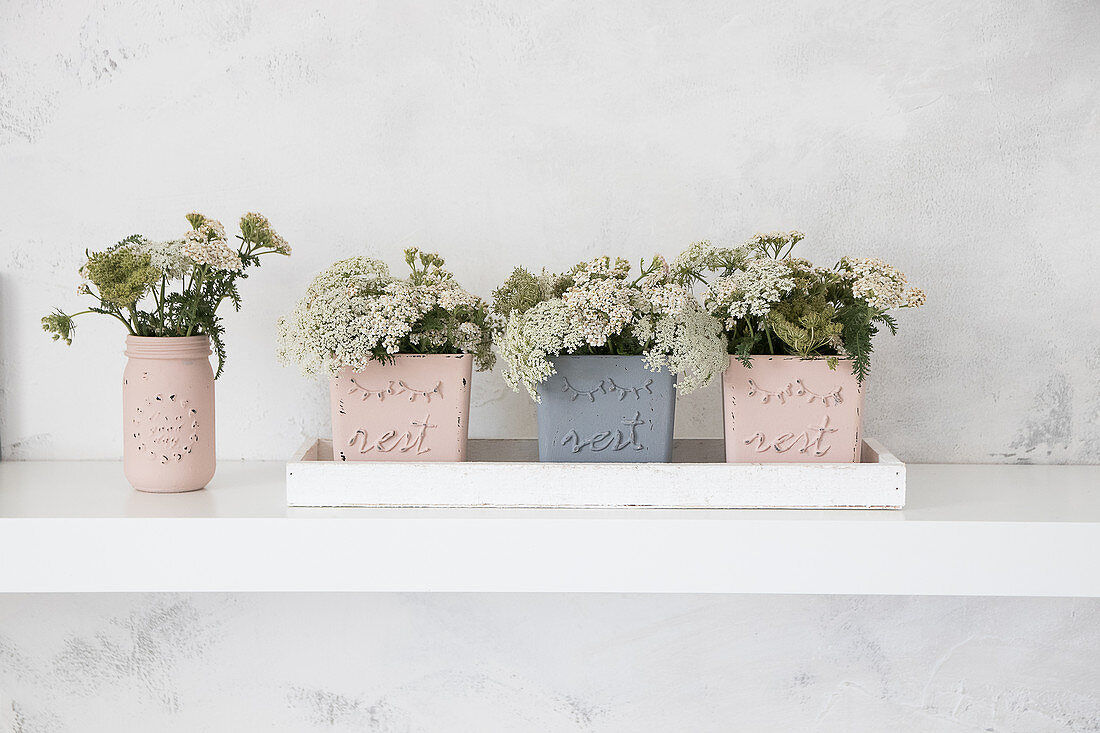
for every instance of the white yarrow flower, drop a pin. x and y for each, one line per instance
(206, 245)
(168, 257)
(356, 308)
(753, 290)
(881, 285)
(661, 315)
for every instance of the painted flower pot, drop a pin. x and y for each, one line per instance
(414, 409)
(168, 414)
(787, 409)
(606, 409)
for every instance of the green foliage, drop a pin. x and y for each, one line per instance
(60, 326)
(430, 269)
(814, 332)
(444, 325)
(519, 293)
(859, 330)
(744, 346)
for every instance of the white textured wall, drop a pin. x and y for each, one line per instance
(502, 663)
(958, 140)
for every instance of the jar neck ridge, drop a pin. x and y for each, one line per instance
(167, 347)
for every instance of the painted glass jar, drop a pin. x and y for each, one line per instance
(168, 413)
(413, 409)
(606, 409)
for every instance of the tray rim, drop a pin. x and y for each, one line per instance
(875, 484)
(307, 453)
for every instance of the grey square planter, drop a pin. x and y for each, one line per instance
(606, 409)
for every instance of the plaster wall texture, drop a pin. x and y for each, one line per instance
(958, 141)
(547, 663)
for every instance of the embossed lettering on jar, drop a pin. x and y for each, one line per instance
(168, 413)
(606, 409)
(413, 409)
(789, 409)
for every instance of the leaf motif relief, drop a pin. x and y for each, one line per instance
(574, 393)
(828, 399)
(624, 391)
(391, 390)
(605, 386)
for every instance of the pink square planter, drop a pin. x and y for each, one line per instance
(787, 409)
(414, 409)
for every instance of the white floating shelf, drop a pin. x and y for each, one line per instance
(507, 473)
(966, 530)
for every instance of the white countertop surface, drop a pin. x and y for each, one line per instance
(77, 526)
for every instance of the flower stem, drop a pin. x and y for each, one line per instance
(197, 285)
(160, 303)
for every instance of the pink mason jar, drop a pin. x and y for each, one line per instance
(168, 413)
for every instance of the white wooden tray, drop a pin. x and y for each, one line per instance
(507, 473)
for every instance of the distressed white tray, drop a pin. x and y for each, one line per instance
(507, 473)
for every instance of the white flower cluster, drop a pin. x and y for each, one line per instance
(258, 230)
(665, 297)
(695, 259)
(600, 267)
(168, 257)
(451, 297)
(879, 284)
(661, 293)
(205, 244)
(770, 302)
(700, 257)
(356, 308)
(785, 238)
(601, 308)
(753, 290)
(663, 317)
(530, 338)
(689, 343)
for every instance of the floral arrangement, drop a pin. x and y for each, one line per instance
(594, 309)
(356, 311)
(771, 303)
(182, 281)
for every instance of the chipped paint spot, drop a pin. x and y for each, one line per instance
(322, 707)
(29, 447)
(584, 712)
(142, 648)
(1050, 424)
